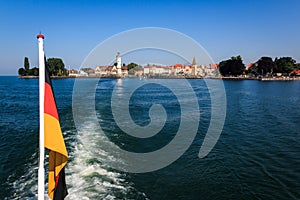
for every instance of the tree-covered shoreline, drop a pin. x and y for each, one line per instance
(233, 67)
(265, 66)
(55, 65)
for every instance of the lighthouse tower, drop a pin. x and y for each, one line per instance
(119, 64)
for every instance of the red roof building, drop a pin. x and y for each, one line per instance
(295, 72)
(250, 65)
(214, 66)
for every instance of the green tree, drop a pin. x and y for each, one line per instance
(224, 67)
(134, 69)
(285, 65)
(59, 72)
(65, 72)
(26, 65)
(233, 66)
(21, 71)
(34, 71)
(265, 65)
(55, 66)
(132, 65)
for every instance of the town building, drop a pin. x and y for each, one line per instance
(73, 72)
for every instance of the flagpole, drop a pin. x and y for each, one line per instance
(41, 170)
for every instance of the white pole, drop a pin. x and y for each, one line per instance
(41, 171)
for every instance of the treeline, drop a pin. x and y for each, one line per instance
(55, 65)
(133, 68)
(265, 66)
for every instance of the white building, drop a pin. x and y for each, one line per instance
(156, 70)
(82, 73)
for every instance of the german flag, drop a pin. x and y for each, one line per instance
(54, 141)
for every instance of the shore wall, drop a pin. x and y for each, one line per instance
(180, 77)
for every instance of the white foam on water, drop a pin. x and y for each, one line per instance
(25, 187)
(87, 176)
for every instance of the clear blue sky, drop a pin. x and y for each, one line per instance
(251, 28)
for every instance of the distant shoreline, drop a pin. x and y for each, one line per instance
(172, 77)
(54, 77)
(262, 78)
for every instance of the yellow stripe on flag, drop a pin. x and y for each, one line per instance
(58, 155)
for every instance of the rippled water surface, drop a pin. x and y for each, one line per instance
(256, 157)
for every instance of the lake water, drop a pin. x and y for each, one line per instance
(256, 157)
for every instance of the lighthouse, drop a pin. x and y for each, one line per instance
(119, 64)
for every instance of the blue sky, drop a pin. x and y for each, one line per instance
(73, 28)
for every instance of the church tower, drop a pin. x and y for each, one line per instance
(194, 67)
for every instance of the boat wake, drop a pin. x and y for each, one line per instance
(90, 177)
(87, 174)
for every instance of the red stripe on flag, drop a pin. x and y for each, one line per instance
(50, 106)
(56, 180)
